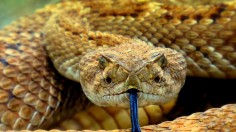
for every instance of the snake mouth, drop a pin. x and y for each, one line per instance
(133, 90)
(124, 93)
(122, 99)
(139, 92)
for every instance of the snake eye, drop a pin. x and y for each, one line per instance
(157, 79)
(108, 80)
(162, 61)
(103, 62)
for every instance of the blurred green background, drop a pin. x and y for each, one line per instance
(12, 9)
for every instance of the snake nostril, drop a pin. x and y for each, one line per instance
(108, 80)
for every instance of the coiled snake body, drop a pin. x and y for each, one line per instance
(108, 46)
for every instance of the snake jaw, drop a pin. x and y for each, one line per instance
(122, 99)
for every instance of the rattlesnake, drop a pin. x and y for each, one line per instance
(32, 91)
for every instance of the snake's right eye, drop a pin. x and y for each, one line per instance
(157, 79)
(103, 62)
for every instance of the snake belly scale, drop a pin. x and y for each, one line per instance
(46, 55)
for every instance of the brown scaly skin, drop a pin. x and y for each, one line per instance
(106, 72)
(30, 90)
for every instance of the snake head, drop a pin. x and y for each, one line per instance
(107, 74)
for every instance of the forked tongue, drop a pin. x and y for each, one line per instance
(133, 97)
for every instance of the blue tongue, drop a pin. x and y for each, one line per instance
(133, 97)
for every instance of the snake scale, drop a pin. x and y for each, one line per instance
(99, 44)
